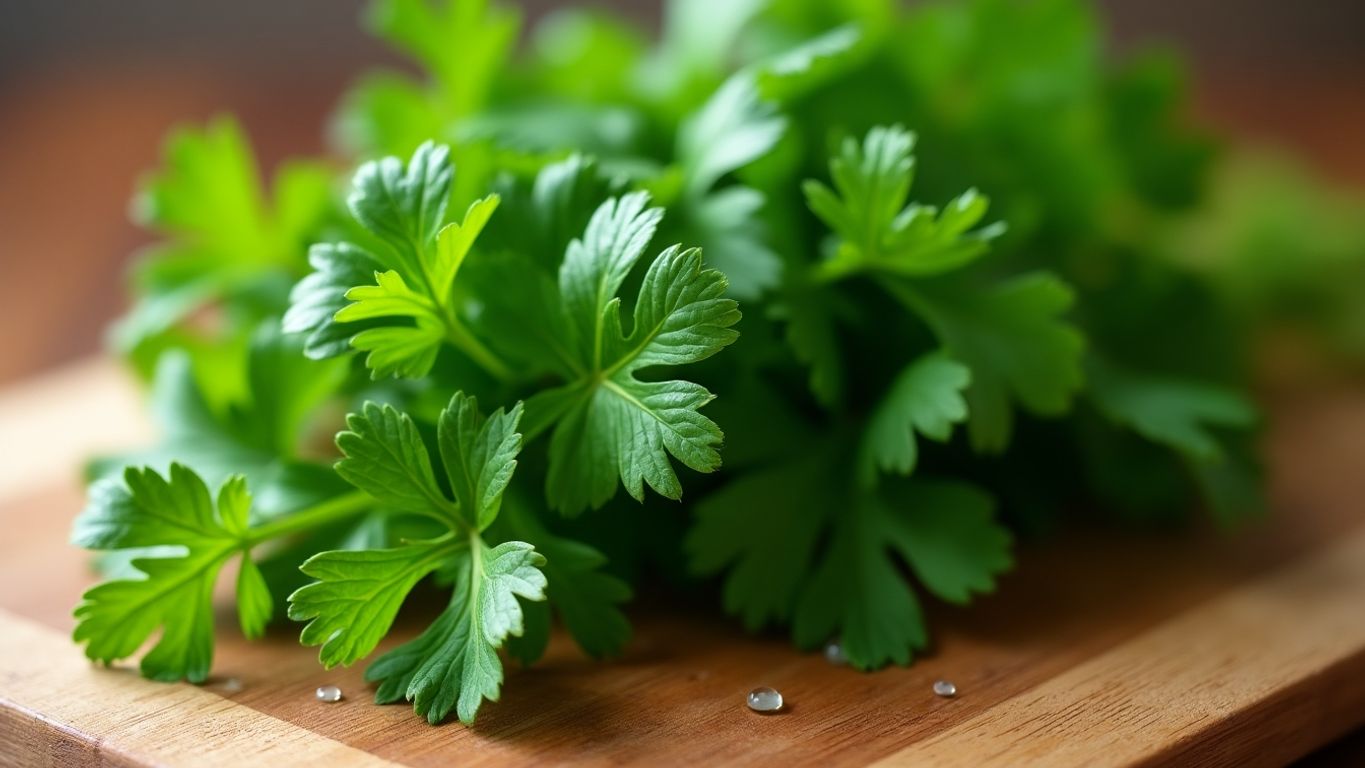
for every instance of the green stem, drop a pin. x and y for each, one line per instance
(904, 294)
(335, 508)
(466, 342)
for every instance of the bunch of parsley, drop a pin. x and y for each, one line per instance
(938, 222)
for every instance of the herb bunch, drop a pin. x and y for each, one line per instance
(958, 323)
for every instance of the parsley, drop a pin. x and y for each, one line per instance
(608, 423)
(956, 232)
(174, 591)
(410, 302)
(224, 239)
(349, 609)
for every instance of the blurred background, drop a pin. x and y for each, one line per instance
(88, 88)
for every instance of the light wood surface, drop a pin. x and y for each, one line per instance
(1190, 647)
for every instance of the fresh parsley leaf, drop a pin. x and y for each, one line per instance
(735, 127)
(608, 423)
(584, 595)
(543, 215)
(699, 37)
(409, 310)
(1197, 420)
(1175, 412)
(174, 592)
(878, 230)
(764, 528)
(357, 594)
(739, 124)
(454, 664)
(809, 315)
(943, 530)
(926, 398)
(1011, 337)
(225, 240)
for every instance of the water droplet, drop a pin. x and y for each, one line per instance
(765, 699)
(834, 653)
(945, 689)
(231, 685)
(329, 693)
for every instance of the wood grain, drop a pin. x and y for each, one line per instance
(55, 709)
(1103, 649)
(1238, 681)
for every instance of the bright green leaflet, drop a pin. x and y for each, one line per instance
(608, 423)
(175, 591)
(223, 236)
(454, 664)
(1011, 335)
(408, 310)
(878, 231)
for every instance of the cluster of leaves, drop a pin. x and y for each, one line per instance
(937, 348)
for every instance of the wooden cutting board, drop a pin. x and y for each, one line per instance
(1102, 649)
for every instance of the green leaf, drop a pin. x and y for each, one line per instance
(878, 230)
(454, 664)
(857, 594)
(462, 43)
(258, 433)
(1174, 412)
(926, 398)
(729, 228)
(584, 595)
(357, 594)
(737, 125)
(945, 533)
(172, 592)
(480, 457)
(1014, 341)
(734, 128)
(319, 296)
(1205, 424)
(762, 528)
(386, 458)
(225, 240)
(255, 605)
(395, 302)
(543, 215)
(811, 333)
(608, 423)
(698, 39)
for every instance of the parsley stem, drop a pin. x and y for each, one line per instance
(466, 342)
(335, 508)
